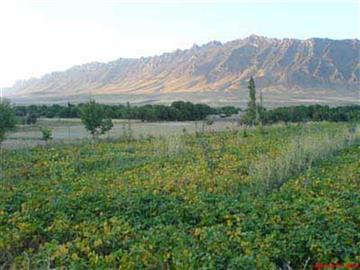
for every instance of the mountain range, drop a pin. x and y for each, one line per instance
(308, 69)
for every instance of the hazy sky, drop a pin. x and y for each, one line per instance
(37, 37)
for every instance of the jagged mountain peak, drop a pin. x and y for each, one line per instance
(281, 64)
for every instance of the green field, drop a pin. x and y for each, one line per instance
(285, 197)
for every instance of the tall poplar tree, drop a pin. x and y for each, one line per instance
(250, 116)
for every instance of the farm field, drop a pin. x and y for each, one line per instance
(70, 130)
(285, 197)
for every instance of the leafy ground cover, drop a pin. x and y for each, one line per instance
(185, 202)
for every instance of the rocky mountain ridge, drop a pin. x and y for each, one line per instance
(278, 65)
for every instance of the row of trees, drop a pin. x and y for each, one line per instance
(97, 118)
(255, 111)
(256, 114)
(312, 113)
(177, 111)
(92, 114)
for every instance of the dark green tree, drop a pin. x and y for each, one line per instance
(7, 119)
(95, 119)
(31, 118)
(46, 134)
(251, 114)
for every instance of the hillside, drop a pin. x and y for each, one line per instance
(308, 68)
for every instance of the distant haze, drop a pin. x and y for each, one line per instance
(37, 37)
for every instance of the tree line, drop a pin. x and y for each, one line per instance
(315, 113)
(257, 114)
(97, 118)
(177, 111)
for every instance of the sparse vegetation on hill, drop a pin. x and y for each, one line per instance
(185, 202)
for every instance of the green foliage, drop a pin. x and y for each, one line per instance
(177, 111)
(180, 203)
(94, 118)
(254, 113)
(7, 119)
(185, 111)
(31, 118)
(209, 122)
(251, 113)
(260, 111)
(227, 110)
(312, 113)
(46, 134)
(299, 155)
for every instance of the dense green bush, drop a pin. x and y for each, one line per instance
(46, 134)
(7, 118)
(94, 118)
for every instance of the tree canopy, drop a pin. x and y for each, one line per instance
(7, 118)
(94, 118)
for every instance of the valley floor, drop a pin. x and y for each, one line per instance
(73, 131)
(285, 197)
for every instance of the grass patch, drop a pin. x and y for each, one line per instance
(271, 171)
